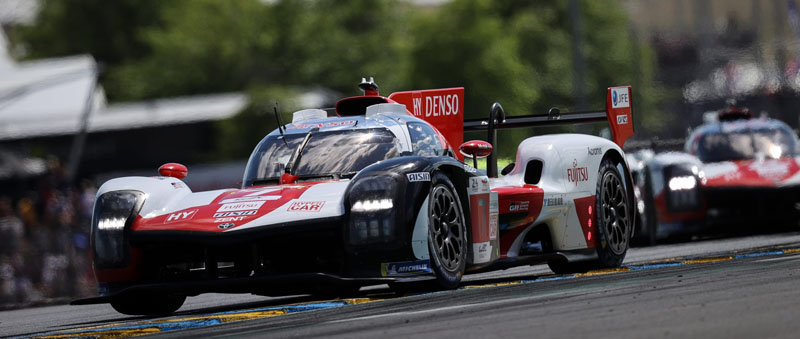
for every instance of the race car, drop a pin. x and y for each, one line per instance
(737, 173)
(372, 194)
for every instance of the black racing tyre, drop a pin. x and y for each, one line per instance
(447, 232)
(148, 305)
(614, 216)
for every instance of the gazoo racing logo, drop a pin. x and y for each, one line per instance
(435, 105)
(577, 174)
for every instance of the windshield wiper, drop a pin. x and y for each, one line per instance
(298, 152)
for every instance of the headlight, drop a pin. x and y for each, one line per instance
(683, 190)
(682, 183)
(112, 213)
(372, 210)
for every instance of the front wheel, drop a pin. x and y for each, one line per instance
(148, 305)
(447, 232)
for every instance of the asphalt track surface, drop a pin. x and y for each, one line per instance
(726, 288)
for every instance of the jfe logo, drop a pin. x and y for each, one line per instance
(620, 98)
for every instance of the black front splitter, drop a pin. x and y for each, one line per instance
(275, 285)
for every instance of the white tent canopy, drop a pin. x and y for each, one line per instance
(49, 97)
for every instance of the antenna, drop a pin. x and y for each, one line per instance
(280, 124)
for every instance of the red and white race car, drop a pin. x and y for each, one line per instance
(373, 194)
(736, 172)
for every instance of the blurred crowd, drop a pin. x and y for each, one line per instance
(44, 241)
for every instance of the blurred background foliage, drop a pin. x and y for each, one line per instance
(519, 53)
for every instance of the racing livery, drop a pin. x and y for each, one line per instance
(373, 194)
(737, 171)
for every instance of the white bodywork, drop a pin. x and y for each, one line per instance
(558, 153)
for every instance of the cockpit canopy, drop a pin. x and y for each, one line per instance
(326, 155)
(730, 141)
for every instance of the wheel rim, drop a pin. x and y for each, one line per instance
(446, 229)
(614, 213)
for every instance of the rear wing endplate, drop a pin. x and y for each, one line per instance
(617, 113)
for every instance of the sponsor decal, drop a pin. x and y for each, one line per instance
(620, 98)
(622, 119)
(577, 174)
(176, 185)
(306, 206)
(243, 199)
(226, 225)
(518, 206)
(241, 206)
(554, 201)
(419, 176)
(234, 214)
(181, 216)
(435, 105)
(482, 252)
(229, 219)
(405, 268)
(478, 185)
(469, 169)
(595, 151)
(321, 125)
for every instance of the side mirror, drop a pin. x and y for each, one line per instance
(475, 149)
(174, 170)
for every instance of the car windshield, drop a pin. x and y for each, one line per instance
(772, 143)
(332, 154)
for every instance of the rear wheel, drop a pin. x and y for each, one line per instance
(614, 223)
(447, 232)
(614, 217)
(148, 305)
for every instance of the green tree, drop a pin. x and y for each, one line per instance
(108, 30)
(204, 46)
(520, 54)
(465, 43)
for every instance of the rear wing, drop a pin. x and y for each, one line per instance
(617, 113)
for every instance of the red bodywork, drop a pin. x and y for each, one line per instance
(526, 203)
(749, 173)
(235, 206)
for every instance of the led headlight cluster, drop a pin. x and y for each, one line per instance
(112, 213)
(682, 188)
(372, 210)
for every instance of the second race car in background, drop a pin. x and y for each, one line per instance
(737, 172)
